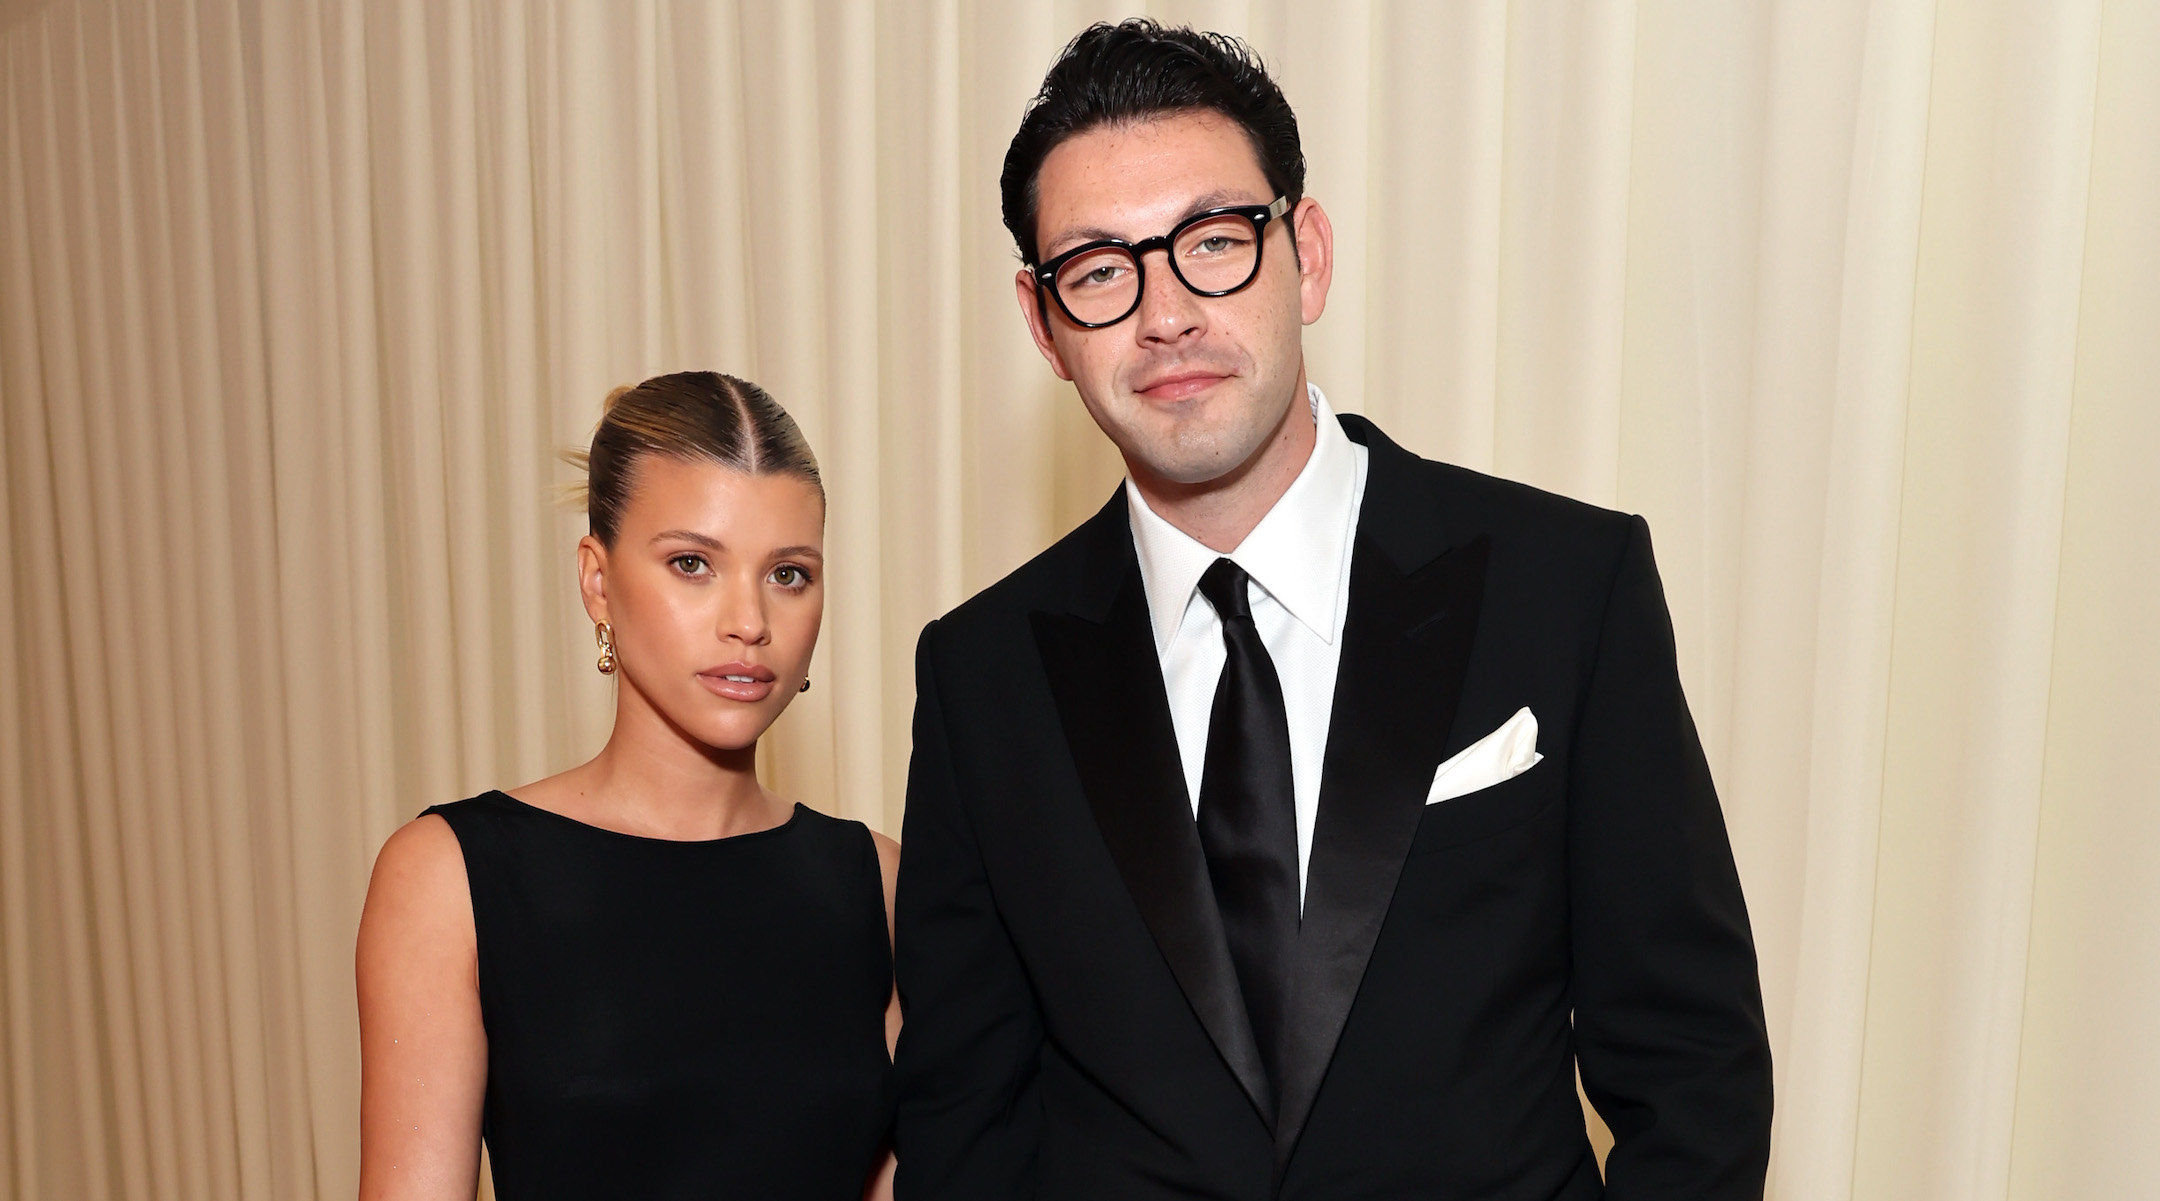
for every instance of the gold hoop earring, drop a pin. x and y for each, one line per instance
(604, 634)
(805, 685)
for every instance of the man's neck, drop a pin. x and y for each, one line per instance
(1219, 513)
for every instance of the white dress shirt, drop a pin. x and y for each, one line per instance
(1299, 561)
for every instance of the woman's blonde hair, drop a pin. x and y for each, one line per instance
(690, 415)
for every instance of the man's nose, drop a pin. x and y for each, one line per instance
(1168, 309)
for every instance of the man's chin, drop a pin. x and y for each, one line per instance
(1193, 470)
(1178, 446)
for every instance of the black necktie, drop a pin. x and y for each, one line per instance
(1248, 815)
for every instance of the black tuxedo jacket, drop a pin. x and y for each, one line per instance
(1073, 1023)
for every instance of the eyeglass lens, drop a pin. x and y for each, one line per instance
(1216, 255)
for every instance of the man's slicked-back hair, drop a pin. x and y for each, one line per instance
(1135, 71)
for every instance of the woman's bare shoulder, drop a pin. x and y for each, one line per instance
(419, 887)
(423, 853)
(888, 861)
(888, 851)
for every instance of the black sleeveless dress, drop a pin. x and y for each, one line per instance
(678, 1019)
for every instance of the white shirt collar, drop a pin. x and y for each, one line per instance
(1295, 553)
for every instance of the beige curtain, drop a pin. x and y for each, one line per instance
(1858, 302)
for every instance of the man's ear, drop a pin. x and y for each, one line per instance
(1033, 310)
(1315, 257)
(592, 577)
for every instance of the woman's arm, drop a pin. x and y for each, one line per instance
(888, 856)
(423, 1051)
(880, 1187)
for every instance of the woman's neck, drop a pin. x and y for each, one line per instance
(654, 779)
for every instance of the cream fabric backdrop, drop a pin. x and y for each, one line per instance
(1857, 301)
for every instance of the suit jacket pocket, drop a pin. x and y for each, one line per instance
(1488, 811)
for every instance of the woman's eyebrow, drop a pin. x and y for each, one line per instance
(691, 536)
(797, 552)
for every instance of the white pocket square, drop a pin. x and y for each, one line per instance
(1501, 755)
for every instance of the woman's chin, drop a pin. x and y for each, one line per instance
(733, 733)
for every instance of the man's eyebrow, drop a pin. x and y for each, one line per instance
(1213, 200)
(1079, 235)
(1085, 233)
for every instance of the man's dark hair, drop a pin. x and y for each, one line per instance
(1135, 71)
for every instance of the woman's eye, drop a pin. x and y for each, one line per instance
(787, 575)
(688, 564)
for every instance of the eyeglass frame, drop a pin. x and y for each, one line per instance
(1258, 214)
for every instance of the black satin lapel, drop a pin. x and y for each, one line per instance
(1406, 648)
(1116, 713)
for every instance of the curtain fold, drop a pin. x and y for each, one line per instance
(301, 299)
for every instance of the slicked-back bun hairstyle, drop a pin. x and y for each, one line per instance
(692, 416)
(1135, 71)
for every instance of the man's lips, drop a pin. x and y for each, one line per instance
(1181, 385)
(739, 681)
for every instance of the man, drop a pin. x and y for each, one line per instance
(1300, 824)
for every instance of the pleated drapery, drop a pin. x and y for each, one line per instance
(1857, 300)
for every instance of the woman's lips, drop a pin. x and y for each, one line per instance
(739, 681)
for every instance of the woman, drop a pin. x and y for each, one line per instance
(648, 976)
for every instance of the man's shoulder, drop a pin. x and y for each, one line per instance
(1472, 502)
(1513, 500)
(1046, 583)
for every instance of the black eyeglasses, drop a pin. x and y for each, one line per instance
(1213, 253)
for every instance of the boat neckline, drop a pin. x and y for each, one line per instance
(794, 816)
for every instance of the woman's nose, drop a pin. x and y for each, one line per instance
(742, 614)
